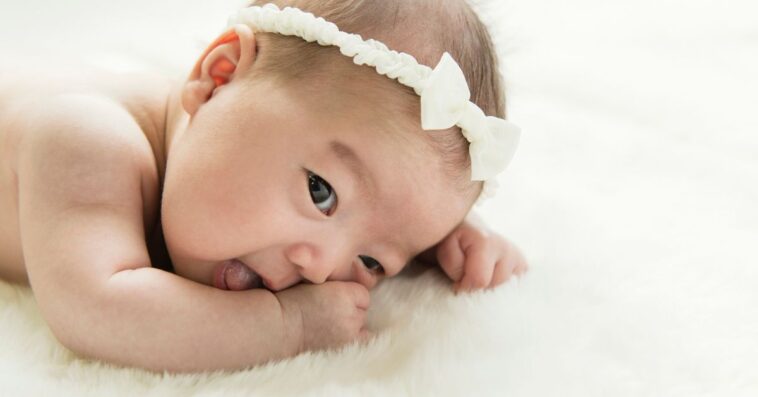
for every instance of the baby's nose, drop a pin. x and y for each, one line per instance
(311, 262)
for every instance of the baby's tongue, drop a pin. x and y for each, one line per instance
(239, 277)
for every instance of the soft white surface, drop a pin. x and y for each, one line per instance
(633, 195)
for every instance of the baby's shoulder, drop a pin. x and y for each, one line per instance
(102, 103)
(95, 122)
(24, 92)
(77, 122)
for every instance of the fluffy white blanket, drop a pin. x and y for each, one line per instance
(633, 195)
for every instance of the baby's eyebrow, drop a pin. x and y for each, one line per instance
(356, 166)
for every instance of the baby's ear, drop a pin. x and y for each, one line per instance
(229, 56)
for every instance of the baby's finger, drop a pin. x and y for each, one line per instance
(521, 268)
(521, 264)
(500, 274)
(357, 293)
(478, 269)
(451, 259)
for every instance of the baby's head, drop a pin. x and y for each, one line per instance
(307, 167)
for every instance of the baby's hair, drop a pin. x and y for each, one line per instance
(423, 28)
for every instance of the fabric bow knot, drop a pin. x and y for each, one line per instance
(445, 102)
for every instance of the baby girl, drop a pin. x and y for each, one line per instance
(243, 214)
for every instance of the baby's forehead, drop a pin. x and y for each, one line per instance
(348, 89)
(391, 125)
(363, 102)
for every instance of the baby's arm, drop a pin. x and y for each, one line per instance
(475, 257)
(80, 168)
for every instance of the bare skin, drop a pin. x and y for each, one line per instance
(95, 172)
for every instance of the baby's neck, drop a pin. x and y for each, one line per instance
(164, 125)
(176, 118)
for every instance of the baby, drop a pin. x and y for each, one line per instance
(242, 215)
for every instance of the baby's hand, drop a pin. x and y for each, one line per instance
(475, 258)
(326, 315)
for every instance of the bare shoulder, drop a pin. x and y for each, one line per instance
(90, 112)
(87, 123)
(142, 95)
(79, 135)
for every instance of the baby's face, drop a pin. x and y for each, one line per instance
(265, 178)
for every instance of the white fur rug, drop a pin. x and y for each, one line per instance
(634, 196)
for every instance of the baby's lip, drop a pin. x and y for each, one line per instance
(218, 276)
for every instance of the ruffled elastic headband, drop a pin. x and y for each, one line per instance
(445, 96)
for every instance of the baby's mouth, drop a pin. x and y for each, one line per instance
(234, 275)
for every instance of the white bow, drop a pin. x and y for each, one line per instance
(445, 102)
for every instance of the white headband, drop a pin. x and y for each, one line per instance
(445, 96)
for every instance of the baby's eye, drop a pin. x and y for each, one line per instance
(372, 264)
(322, 194)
